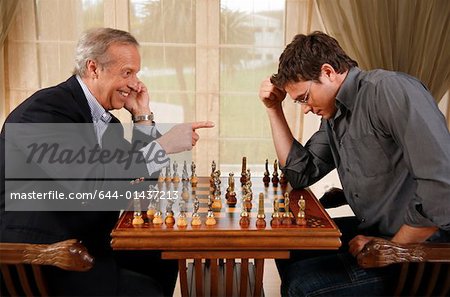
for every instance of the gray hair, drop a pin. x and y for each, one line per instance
(93, 46)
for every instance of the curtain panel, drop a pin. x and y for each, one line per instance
(411, 36)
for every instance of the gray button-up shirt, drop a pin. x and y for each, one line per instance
(391, 147)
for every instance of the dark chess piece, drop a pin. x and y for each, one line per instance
(275, 179)
(266, 178)
(283, 180)
(243, 179)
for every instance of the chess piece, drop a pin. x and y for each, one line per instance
(175, 177)
(287, 220)
(276, 221)
(247, 203)
(301, 218)
(266, 178)
(261, 217)
(151, 210)
(283, 180)
(185, 191)
(244, 171)
(217, 204)
(185, 175)
(182, 222)
(161, 177)
(196, 221)
(137, 217)
(216, 183)
(169, 220)
(157, 219)
(231, 194)
(210, 220)
(168, 178)
(194, 178)
(244, 221)
(213, 170)
(275, 178)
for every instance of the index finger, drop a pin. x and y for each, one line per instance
(204, 124)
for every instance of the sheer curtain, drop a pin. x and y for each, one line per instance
(412, 36)
(7, 11)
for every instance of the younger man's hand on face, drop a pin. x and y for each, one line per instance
(270, 95)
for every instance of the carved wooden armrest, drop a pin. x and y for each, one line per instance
(381, 252)
(68, 255)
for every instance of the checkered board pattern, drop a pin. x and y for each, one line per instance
(229, 214)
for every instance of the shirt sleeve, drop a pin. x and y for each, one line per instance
(408, 112)
(154, 155)
(307, 164)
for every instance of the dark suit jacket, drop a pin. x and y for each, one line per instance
(66, 103)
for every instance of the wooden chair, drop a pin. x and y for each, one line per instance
(27, 259)
(424, 267)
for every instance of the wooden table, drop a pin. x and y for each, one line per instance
(215, 249)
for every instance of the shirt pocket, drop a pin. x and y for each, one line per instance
(368, 156)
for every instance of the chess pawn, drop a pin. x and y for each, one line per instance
(247, 203)
(217, 204)
(182, 222)
(157, 219)
(213, 170)
(137, 219)
(196, 221)
(161, 177)
(266, 178)
(169, 220)
(194, 178)
(185, 175)
(231, 199)
(210, 220)
(185, 193)
(244, 221)
(283, 179)
(194, 181)
(175, 177)
(168, 178)
(151, 213)
(275, 179)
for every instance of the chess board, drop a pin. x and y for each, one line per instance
(319, 231)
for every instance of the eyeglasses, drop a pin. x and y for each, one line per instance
(303, 99)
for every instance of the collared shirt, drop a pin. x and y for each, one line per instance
(391, 147)
(100, 116)
(101, 119)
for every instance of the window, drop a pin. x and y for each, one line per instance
(201, 60)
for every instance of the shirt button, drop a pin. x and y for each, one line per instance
(356, 195)
(347, 169)
(363, 220)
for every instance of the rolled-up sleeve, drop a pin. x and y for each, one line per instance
(307, 164)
